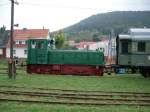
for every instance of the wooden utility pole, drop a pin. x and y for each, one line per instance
(11, 65)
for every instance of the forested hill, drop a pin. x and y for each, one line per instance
(119, 21)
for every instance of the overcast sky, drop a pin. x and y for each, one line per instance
(57, 14)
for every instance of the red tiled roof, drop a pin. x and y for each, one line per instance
(25, 34)
(104, 39)
(81, 44)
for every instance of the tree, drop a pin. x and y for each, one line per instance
(4, 35)
(95, 38)
(60, 39)
(2, 29)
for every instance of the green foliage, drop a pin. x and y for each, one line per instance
(96, 38)
(60, 39)
(3, 36)
(2, 29)
(65, 45)
(83, 35)
(77, 40)
(119, 21)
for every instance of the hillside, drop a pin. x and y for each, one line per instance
(102, 24)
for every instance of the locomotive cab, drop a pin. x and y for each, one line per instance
(37, 51)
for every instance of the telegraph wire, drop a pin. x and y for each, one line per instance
(61, 6)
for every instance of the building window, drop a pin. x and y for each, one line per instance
(141, 46)
(20, 42)
(17, 42)
(25, 51)
(23, 42)
(14, 51)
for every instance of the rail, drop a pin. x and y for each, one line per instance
(73, 97)
(3, 71)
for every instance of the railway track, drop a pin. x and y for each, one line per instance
(3, 71)
(74, 91)
(73, 97)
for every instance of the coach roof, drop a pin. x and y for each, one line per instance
(137, 34)
(139, 31)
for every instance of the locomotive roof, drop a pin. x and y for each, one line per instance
(82, 51)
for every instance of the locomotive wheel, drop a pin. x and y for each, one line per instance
(109, 73)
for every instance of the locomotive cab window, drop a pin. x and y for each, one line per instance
(40, 45)
(33, 44)
(141, 46)
(126, 47)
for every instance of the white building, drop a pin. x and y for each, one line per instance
(84, 45)
(108, 46)
(102, 46)
(20, 41)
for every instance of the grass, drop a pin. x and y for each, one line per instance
(107, 83)
(3, 63)
(130, 82)
(20, 107)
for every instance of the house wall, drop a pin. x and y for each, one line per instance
(2, 52)
(100, 45)
(19, 52)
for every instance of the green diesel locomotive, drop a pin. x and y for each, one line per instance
(44, 60)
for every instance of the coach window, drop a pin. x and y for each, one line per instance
(126, 47)
(141, 46)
